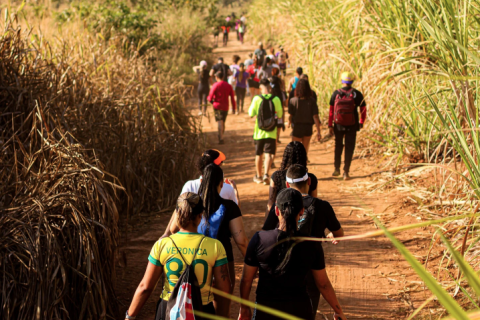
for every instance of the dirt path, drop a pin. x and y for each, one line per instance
(362, 272)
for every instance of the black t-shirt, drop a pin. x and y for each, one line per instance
(232, 211)
(283, 185)
(221, 67)
(276, 88)
(359, 102)
(324, 218)
(291, 285)
(303, 110)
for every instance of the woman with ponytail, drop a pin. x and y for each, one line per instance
(222, 219)
(283, 265)
(167, 259)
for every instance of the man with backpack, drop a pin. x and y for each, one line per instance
(268, 109)
(318, 216)
(260, 53)
(344, 121)
(220, 66)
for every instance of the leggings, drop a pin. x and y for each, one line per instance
(350, 140)
(203, 92)
(225, 38)
(240, 92)
(241, 37)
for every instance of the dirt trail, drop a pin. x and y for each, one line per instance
(359, 270)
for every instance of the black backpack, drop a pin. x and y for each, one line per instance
(305, 223)
(267, 120)
(186, 297)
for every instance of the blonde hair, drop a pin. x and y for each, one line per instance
(189, 206)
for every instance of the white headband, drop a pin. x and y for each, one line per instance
(304, 178)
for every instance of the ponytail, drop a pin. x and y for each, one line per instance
(189, 206)
(212, 177)
(283, 251)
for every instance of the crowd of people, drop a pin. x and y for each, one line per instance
(194, 257)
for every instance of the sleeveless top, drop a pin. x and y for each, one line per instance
(294, 85)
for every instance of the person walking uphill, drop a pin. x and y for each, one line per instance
(167, 259)
(344, 121)
(267, 108)
(203, 86)
(219, 94)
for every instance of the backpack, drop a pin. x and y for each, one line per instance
(344, 109)
(267, 119)
(212, 228)
(186, 296)
(305, 223)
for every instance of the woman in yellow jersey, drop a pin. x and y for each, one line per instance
(169, 256)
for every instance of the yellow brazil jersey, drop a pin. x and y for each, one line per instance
(210, 254)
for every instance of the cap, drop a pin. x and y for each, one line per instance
(348, 77)
(260, 43)
(221, 157)
(203, 63)
(289, 198)
(276, 66)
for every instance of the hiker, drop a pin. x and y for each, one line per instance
(294, 154)
(248, 62)
(267, 109)
(260, 53)
(282, 51)
(166, 259)
(241, 78)
(278, 90)
(220, 66)
(282, 63)
(233, 69)
(216, 32)
(319, 215)
(266, 72)
(219, 94)
(226, 30)
(344, 121)
(284, 265)
(243, 18)
(203, 86)
(254, 80)
(241, 31)
(237, 28)
(303, 114)
(314, 94)
(272, 56)
(292, 84)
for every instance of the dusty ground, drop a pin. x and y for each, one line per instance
(371, 279)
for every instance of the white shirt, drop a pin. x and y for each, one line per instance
(227, 191)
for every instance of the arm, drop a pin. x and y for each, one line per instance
(363, 115)
(317, 124)
(145, 288)
(272, 195)
(196, 69)
(335, 234)
(245, 288)
(211, 94)
(222, 283)
(238, 232)
(325, 286)
(232, 99)
(235, 191)
(172, 226)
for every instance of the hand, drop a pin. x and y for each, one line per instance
(288, 125)
(319, 136)
(339, 316)
(334, 241)
(330, 131)
(361, 125)
(245, 313)
(231, 182)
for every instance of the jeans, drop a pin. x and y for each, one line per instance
(350, 140)
(240, 92)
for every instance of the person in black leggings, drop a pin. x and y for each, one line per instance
(203, 86)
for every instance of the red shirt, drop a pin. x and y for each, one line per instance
(251, 70)
(219, 96)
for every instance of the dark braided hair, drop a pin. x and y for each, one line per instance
(295, 153)
(212, 177)
(303, 90)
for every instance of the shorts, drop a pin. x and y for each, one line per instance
(301, 130)
(220, 115)
(280, 124)
(253, 84)
(267, 145)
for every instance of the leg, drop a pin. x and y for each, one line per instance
(205, 95)
(338, 147)
(221, 129)
(306, 142)
(297, 139)
(313, 293)
(350, 140)
(268, 162)
(258, 165)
